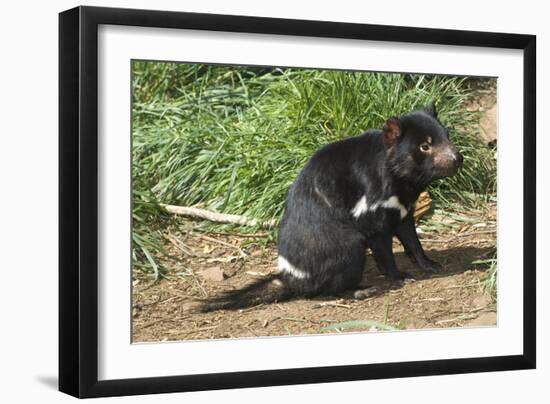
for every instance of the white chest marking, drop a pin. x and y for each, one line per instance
(360, 207)
(285, 266)
(393, 203)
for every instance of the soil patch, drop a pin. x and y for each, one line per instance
(210, 263)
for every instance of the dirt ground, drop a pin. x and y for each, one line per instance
(220, 262)
(210, 263)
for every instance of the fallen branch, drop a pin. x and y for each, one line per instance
(333, 304)
(219, 217)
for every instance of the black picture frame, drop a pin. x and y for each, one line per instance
(78, 201)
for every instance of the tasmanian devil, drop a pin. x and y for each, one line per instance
(354, 194)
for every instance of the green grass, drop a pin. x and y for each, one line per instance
(490, 278)
(232, 139)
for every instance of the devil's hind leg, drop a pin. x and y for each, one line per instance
(346, 271)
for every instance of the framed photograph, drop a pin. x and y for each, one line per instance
(250, 201)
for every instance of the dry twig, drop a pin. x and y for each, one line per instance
(218, 217)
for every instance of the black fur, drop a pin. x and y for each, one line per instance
(325, 229)
(268, 290)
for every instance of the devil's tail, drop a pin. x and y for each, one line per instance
(267, 290)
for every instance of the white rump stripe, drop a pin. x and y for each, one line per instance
(285, 266)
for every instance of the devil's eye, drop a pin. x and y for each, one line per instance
(425, 147)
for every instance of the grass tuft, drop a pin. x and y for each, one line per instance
(490, 278)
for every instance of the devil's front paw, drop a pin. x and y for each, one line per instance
(429, 265)
(398, 276)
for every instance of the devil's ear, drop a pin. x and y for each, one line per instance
(392, 131)
(430, 109)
